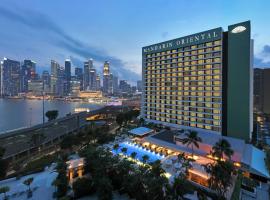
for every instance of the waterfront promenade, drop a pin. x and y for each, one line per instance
(20, 143)
(40, 138)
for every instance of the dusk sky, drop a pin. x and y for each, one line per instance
(116, 30)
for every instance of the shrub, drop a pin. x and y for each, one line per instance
(82, 187)
(38, 165)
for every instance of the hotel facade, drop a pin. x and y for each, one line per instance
(201, 82)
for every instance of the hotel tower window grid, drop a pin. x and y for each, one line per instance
(183, 86)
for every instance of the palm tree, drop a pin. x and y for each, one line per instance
(220, 176)
(145, 158)
(181, 157)
(133, 155)
(156, 169)
(185, 162)
(222, 147)
(192, 139)
(124, 150)
(180, 188)
(104, 188)
(116, 147)
(4, 190)
(28, 183)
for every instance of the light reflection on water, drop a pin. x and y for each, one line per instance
(17, 113)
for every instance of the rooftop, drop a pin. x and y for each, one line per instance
(243, 153)
(141, 131)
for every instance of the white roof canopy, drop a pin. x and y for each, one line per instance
(141, 131)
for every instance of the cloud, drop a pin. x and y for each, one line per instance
(59, 38)
(262, 59)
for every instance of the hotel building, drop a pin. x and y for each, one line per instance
(201, 82)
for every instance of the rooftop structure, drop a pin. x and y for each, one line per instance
(141, 131)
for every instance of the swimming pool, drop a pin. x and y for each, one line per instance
(141, 151)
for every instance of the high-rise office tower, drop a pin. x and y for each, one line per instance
(139, 86)
(75, 86)
(35, 86)
(88, 65)
(106, 77)
(115, 85)
(262, 90)
(67, 77)
(10, 77)
(28, 72)
(92, 79)
(193, 82)
(124, 86)
(46, 81)
(1, 77)
(110, 85)
(61, 82)
(98, 82)
(79, 76)
(55, 68)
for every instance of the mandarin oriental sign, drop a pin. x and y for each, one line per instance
(198, 38)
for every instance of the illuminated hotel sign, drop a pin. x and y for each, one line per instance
(198, 38)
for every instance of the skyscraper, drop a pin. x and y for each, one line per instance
(55, 68)
(79, 76)
(262, 90)
(139, 86)
(92, 79)
(75, 86)
(124, 86)
(28, 72)
(10, 77)
(106, 77)
(115, 85)
(46, 81)
(88, 65)
(67, 77)
(193, 82)
(1, 78)
(98, 82)
(61, 82)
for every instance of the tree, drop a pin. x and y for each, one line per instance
(120, 118)
(69, 141)
(104, 188)
(3, 163)
(185, 163)
(142, 121)
(2, 152)
(157, 170)
(180, 188)
(220, 176)
(222, 147)
(133, 155)
(28, 183)
(145, 158)
(51, 114)
(4, 190)
(124, 150)
(82, 187)
(192, 139)
(61, 180)
(116, 147)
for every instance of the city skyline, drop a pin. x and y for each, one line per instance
(62, 36)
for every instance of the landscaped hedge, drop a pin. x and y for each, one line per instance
(38, 165)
